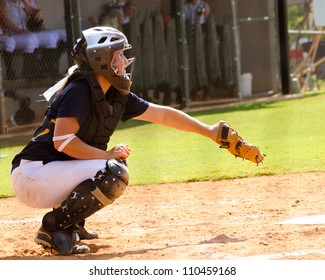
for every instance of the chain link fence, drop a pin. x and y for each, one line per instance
(179, 62)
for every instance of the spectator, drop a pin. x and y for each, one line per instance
(35, 23)
(298, 52)
(11, 27)
(196, 10)
(116, 16)
(109, 16)
(14, 15)
(126, 13)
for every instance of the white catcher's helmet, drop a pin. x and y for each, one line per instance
(95, 51)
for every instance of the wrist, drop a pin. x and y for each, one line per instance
(109, 155)
(212, 133)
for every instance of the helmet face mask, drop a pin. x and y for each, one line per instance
(102, 46)
(121, 65)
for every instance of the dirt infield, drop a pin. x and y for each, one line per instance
(227, 220)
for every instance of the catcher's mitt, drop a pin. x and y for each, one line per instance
(229, 139)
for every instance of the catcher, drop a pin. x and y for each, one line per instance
(67, 167)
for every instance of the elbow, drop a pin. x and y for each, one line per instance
(57, 144)
(60, 142)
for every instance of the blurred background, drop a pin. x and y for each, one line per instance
(188, 53)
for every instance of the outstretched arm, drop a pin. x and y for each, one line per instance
(221, 132)
(177, 119)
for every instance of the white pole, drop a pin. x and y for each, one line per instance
(184, 54)
(237, 58)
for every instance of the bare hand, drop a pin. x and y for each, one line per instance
(121, 151)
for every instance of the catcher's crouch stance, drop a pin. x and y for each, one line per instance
(66, 165)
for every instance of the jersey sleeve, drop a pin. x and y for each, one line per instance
(76, 101)
(135, 107)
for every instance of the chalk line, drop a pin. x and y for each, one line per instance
(305, 220)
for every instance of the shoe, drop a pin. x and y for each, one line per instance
(61, 242)
(84, 234)
(80, 249)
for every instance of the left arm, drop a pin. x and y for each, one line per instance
(29, 9)
(177, 119)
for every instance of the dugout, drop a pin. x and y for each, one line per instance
(247, 39)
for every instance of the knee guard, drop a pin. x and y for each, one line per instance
(89, 197)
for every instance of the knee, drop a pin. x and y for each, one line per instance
(62, 34)
(111, 182)
(31, 43)
(10, 44)
(119, 169)
(51, 39)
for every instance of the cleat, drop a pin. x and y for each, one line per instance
(84, 234)
(80, 249)
(61, 242)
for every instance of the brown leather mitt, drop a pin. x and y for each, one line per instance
(229, 139)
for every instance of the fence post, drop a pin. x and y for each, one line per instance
(72, 19)
(3, 117)
(237, 58)
(184, 53)
(284, 48)
(76, 10)
(68, 18)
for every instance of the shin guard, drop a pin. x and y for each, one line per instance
(89, 197)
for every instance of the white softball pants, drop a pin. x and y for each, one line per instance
(7, 43)
(47, 186)
(26, 42)
(31, 41)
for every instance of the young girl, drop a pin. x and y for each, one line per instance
(66, 165)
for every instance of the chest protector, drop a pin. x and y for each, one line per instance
(105, 114)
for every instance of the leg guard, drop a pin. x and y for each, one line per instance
(89, 197)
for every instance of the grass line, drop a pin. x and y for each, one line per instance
(291, 134)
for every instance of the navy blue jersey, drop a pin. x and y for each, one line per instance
(73, 101)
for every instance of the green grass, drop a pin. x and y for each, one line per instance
(291, 133)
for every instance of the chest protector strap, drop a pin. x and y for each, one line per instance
(105, 114)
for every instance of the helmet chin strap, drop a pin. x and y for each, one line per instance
(122, 84)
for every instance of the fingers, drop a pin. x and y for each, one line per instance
(121, 151)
